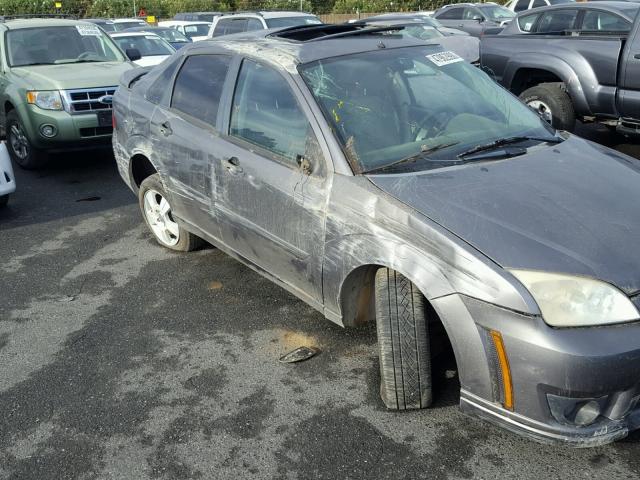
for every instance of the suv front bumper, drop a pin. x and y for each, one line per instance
(554, 373)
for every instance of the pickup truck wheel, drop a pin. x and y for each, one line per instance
(403, 342)
(20, 148)
(156, 211)
(553, 104)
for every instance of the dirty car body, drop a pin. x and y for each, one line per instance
(320, 189)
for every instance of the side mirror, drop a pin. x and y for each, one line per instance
(133, 54)
(478, 19)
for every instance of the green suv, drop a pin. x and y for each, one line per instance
(57, 78)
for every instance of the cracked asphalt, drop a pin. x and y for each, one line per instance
(122, 360)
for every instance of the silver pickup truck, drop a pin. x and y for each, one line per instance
(572, 61)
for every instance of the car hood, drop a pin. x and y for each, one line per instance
(66, 76)
(467, 47)
(572, 208)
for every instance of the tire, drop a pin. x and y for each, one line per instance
(552, 101)
(4, 199)
(403, 342)
(20, 147)
(157, 216)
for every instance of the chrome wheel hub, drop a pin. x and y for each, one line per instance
(18, 141)
(158, 213)
(543, 110)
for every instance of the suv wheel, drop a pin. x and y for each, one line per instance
(403, 342)
(156, 211)
(20, 148)
(553, 104)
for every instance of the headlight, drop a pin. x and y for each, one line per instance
(571, 301)
(46, 100)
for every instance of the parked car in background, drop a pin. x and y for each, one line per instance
(124, 23)
(416, 16)
(152, 49)
(56, 84)
(7, 179)
(107, 25)
(465, 46)
(197, 16)
(572, 61)
(522, 5)
(196, 31)
(476, 18)
(382, 179)
(249, 21)
(171, 35)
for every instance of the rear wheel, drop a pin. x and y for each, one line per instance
(20, 148)
(552, 102)
(158, 216)
(403, 342)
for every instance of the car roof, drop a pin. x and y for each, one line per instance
(132, 34)
(150, 29)
(279, 46)
(269, 14)
(185, 22)
(124, 20)
(42, 22)
(622, 8)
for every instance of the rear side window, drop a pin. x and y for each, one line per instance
(198, 86)
(521, 5)
(538, 3)
(228, 26)
(527, 22)
(557, 21)
(161, 86)
(254, 24)
(598, 21)
(451, 14)
(265, 113)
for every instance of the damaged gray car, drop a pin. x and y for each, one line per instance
(383, 180)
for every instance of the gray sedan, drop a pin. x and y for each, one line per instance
(383, 180)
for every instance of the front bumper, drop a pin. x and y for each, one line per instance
(576, 365)
(73, 132)
(7, 179)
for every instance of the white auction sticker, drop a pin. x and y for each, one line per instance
(444, 58)
(88, 30)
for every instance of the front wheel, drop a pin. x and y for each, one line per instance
(158, 216)
(403, 342)
(20, 148)
(552, 102)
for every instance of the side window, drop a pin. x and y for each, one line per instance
(522, 5)
(557, 21)
(597, 21)
(254, 24)
(471, 14)
(198, 86)
(228, 26)
(451, 14)
(159, 88)
(526, 22)
(265, 113)
(539, 3)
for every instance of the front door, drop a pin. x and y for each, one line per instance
(273, 181)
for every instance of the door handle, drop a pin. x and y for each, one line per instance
(165, 129)
(637, 56)
(233, 166)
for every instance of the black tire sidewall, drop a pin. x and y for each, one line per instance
(559, 101)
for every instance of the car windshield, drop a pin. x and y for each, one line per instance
(197, 30)
(497, 13)
(120, 26)
(392, 104)
(292, 21)
(171, 35)
(53, 45)
(147, 45)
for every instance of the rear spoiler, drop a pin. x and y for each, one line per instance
(130, 77)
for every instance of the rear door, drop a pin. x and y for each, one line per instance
(186, 133)
(629, 93)
(274, 180)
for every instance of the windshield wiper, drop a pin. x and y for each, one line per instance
(501, 142)
(424, 151)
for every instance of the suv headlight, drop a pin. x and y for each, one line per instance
(573, 301)
(49, 100)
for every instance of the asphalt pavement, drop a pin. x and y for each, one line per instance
(122, 360)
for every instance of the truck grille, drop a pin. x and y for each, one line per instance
(87, 100)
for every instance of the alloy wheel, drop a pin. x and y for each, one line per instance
(158, 213)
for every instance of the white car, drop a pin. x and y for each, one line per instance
(153, 49)
(245, 22)
(522, 5)
(7, 180)
(124, 23)
(196, 31)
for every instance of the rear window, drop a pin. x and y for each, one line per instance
(599, 21)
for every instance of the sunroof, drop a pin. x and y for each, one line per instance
(310, 33)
